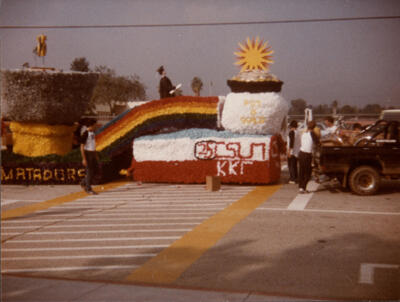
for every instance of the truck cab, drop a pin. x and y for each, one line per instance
(390, 115)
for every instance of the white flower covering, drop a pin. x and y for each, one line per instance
(221, 103)
(254, 113)
(179, 149)
(199, 144)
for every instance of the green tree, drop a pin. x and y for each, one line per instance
(112, 90)
(197, 85)
(297, 107)
(372, 109)
(347, 109)
(322, 109)
(80, 64)
(335, 105)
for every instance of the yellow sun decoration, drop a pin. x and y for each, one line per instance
(254, 55)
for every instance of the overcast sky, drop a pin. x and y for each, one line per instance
(353, 61)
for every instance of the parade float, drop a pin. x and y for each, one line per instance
(246, 149)
(174, 140)
(42, 104)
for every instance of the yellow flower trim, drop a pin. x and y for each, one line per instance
(32, 139)
(40, 129)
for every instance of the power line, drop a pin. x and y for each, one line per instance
(197, 24)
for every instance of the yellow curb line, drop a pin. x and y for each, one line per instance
(28, 209)
(168, 265)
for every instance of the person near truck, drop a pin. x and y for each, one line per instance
(330, 127)
(355, 132)
(307, 143)
(293, 151)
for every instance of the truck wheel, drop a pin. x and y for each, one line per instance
(364, 180)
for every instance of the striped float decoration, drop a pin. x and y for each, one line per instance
(176, 113)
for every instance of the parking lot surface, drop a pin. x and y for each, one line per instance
(242, 243)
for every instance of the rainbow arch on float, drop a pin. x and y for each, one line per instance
(175, 113)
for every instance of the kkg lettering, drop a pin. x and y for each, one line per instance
(232, 167)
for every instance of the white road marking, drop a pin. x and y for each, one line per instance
(332, 211)
(172, 209)
(142, 206)
(114, 247)
(301, 200)
(93, 239)
(103, 219)
(133, 214)
(156, 211)
(178, 198)
(185, 187)
(78, 257)
(100, 225)
(97, 232)
(68, 268)
(10, 201)
(367, 271)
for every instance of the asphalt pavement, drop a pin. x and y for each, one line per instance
(243, 243)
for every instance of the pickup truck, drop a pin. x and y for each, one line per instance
(374, 155)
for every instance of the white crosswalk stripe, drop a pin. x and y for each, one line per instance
(67, 239)
(91, 248)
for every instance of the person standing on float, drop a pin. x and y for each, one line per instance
(165, 84)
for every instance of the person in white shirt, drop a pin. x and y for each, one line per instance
(330, 127)
(308, 141)
(293, 151)
(90, 157)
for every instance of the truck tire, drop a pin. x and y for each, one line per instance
(364, 180)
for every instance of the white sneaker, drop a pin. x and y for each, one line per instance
(301, 191)
(292, 182)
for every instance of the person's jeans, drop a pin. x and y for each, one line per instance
(292, 165)
(91, 169)
(305, 169)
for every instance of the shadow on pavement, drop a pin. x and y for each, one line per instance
(326, 268)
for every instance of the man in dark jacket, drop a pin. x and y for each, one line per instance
(165, 84)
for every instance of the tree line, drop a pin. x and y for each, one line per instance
(299, 105)
(112, 90)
